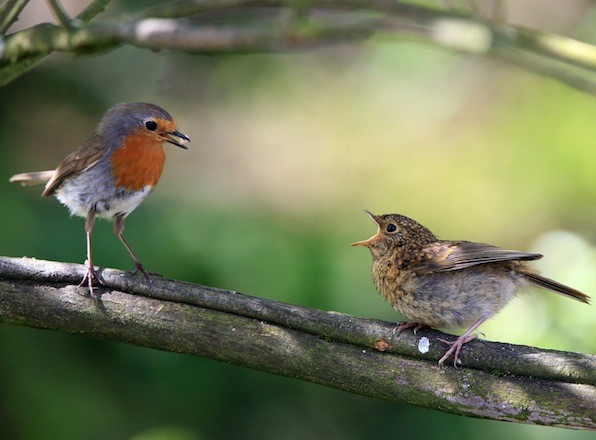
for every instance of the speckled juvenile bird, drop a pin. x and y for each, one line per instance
(112, 172)
(442, 283)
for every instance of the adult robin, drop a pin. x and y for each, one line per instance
(112, 172)
(442, 283)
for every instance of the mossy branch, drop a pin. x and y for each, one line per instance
(496, 381)
(185, 26)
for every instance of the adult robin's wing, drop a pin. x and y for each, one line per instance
(79, 160)
(453, 255)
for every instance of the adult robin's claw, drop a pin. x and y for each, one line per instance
(90, 276)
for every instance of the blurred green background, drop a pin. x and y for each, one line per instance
(287, 150)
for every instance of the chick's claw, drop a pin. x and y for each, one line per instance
(456, 347)
(415, 325)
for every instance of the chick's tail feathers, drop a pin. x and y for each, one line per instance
(549, 284)
(33, 178)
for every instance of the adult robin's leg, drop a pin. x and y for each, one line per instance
(118, 230)
(91, 274)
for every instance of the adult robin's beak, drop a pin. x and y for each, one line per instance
(169, 137)
(374, 238)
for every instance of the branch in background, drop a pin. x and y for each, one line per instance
(498, 381)
(18, 67)
(9, 13)
(331, 21)
(554, 46)
(92, 10)
(59, 13)
(454, 30)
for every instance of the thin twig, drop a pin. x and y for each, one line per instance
(92, 10)
(558, 47)
(9, 13)
(59, 13)
(20, 67)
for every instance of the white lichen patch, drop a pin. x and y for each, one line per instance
(423, 345)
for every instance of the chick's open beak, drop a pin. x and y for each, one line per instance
(374, 238)
(171, 135)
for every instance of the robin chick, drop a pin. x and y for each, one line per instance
(112, 172)
(442, 283)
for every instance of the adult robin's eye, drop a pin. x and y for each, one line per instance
(391, 228)
(151, 125)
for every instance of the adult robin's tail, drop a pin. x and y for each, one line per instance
(549, 284)
(34, 178)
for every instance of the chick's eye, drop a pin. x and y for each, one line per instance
(391, 228)
(151, 125)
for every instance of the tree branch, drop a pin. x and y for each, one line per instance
(564, 59)
(498, 381)
(17, 67)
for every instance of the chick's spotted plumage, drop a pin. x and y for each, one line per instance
(441, 283)
(113, 171)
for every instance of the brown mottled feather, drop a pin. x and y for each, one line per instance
(547, 283)
(81, 159)
(444, 256)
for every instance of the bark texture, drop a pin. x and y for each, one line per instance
(497, 381)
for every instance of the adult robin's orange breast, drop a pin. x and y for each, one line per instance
(138, 163)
